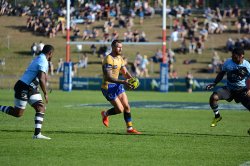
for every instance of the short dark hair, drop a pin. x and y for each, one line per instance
(238, 51)
(47, 48)
(113, 44)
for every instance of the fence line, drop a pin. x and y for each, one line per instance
(124, 43)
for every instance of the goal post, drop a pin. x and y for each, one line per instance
(67, 75)
(67, 72)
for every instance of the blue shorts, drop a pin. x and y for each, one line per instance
(113, 91)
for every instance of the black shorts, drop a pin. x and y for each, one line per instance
(240, 96)
(25, 93)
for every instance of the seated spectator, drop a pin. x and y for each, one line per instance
(148, 10)
(174, 74)
(174, 36)
(236, 11)
(199, 46)
(95, 33)
(106, 37)
(246, 42)
(192, 45)
(215, 62)
(108, 25)
(128, 36)
(102, 50)
(91, 18)
(129, 23)
(76, 33)
(112, 13)
(182, 32)
(157, 57)
(204, 34)
(142, 37)
(228, 11)
(183, 48)
(40, 46)
(136, 36)
(83, 62)
(141, 15)
(121, 21)
(213, 27)
(114, 35)
(137, 63)
(86, 33)
(230, 44)
(93, 49)
(34, 49)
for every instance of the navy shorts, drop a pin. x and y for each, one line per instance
(113, 91)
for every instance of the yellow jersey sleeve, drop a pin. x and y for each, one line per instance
(108, 62)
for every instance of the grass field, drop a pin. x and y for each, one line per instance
(170, 136)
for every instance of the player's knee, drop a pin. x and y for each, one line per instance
(17, 112)
(39, 106)
(127, 109)
(214, 97)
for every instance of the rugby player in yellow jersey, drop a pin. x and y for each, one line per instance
(113, 87)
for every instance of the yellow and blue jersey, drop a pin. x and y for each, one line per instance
(111, 63)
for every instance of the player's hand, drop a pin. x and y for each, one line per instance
(129, 85)
(248, 93)
(210, 86)
(46, 98)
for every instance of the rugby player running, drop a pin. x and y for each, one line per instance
(237, 87)
(113, 88)
(26, 90)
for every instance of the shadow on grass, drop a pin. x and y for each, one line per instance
(18, 27)
(144, 133)
(24, 53)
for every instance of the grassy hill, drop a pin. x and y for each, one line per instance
(15, 43)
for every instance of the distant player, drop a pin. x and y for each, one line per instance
(237, 88)
(113, 89)
(26, 90)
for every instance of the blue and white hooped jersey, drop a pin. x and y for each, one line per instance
(237, 74)
(40, 63)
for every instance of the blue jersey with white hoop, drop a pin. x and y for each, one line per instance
(237, 74)
(40, 63)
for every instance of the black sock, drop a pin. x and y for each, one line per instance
(215, 110)
(111, 111)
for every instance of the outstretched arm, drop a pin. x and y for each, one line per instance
(218, 78)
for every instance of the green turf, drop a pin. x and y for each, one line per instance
(170, 137)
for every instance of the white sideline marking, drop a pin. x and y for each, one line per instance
(170, 105)
(245, 164)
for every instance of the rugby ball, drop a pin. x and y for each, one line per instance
(134, 81)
